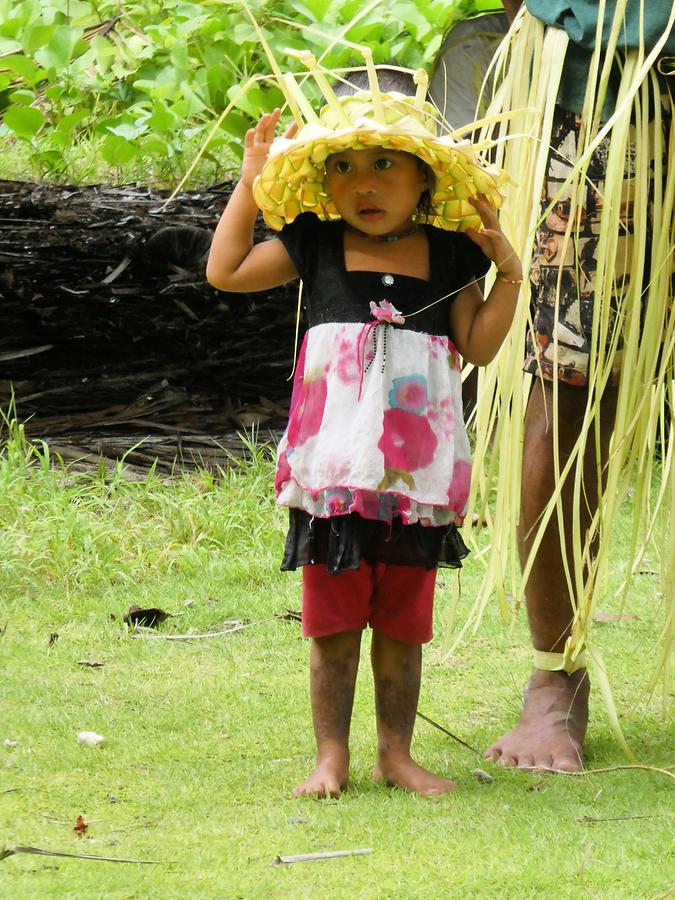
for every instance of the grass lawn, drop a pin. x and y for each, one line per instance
(206, 738)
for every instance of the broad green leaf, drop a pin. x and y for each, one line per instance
(156, 146)
(252, 102)
(9, 46)
(22, 97)
(24, 121)
(24, 67)
(36, 37)
(162, 119)
(54, 92)
(236, 124)
(315, 10)
(245, 34)
(117, 151)
(64, 44)
(127, 130)
(69, 122)
(11, 28)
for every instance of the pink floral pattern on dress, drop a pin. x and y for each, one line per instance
(375, 431)
(283, 472)
(458, 492)
(308, 411)
(407, 441)
(347, 363)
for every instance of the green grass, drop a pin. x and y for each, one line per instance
(205, 739)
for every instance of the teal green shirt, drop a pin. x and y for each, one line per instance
(579, 19)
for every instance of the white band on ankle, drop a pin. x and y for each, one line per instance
(559, 662)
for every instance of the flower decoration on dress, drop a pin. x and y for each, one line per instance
(384, 311)
(409, 393)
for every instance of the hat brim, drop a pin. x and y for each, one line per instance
(292, 180)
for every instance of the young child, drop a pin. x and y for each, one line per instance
(374, 464)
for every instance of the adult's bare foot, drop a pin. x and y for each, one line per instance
(552, 726)
(402, 771)
(328, 779)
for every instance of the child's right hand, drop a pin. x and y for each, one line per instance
(257, 143)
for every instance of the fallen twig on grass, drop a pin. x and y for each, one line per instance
(449, 733)
(115, 859)
(191, 637)
(311, 857)
(617, 769)
(590, 820)
(290, 615)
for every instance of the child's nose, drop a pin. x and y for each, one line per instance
(364, 184)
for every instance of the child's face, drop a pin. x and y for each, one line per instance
(376, 190)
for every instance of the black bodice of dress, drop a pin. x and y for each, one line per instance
(332, 294)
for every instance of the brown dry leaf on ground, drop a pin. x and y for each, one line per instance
(81, 827)
(150, 618)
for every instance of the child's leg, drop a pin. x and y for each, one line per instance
(397, 668)
(334, 663)
(401, 620)
(334, 613)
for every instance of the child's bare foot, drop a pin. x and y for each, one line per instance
(552, 726)
(402, 771)
(329, 778)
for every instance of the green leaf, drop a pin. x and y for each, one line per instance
(315, 10)
(36, 37)
(68, 123)
(236, 124)
(22, 97)
(254, 102)
(162, 119)
(24, 67)
(24, 121)
(65, 43)
(54, 92)
(11, 28)
(117, 151)
(127, 130)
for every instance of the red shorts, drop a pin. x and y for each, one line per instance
(397, 601)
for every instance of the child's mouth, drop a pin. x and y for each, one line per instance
(370, 214)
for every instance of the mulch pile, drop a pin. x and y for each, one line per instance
(112, 342)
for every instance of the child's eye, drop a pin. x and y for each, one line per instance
(342, 167)
(382, 163)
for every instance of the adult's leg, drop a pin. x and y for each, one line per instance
(397, 669)
(334, 663)
(552, 726)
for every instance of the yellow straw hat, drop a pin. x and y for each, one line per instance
(292, 180)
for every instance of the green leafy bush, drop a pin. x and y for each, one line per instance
(132, 89)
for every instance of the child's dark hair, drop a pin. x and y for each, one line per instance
(390, 79)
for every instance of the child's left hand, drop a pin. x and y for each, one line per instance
(492, 240)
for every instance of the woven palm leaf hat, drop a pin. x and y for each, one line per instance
(292, 180)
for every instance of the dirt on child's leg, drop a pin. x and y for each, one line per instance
(334, 663)
(397, 669)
